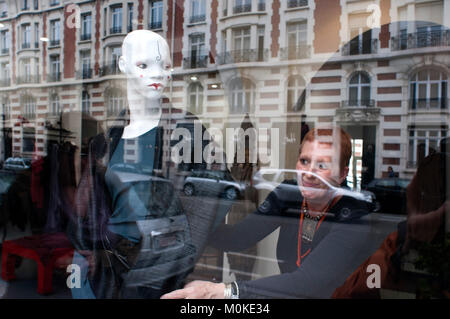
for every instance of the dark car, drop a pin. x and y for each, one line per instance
(390, 193)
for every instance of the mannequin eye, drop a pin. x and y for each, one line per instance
(142, 65)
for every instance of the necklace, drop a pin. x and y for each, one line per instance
(309, 225)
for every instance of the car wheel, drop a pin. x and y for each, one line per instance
(189, 190)
(231, 193)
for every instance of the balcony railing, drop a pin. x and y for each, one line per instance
(116, 29)
(197, 18)
(5, 82)
(26, 45)
(297, 52)
(155, 25)
(360, 47)
(84, 74)
(27, 79)
(193, 62)
(239, 56)
(109, 69)
(4, 14)
(29, 116)
(297, 3)
(242, 8)
(85, 36)
(427, 104)
(439, 38)
(358, 103)
(54, 43)
(113, 112)
(54, 77)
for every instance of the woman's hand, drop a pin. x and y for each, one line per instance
(198, 290)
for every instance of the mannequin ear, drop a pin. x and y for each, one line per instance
(122, 64)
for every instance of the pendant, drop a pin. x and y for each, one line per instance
(309, 229)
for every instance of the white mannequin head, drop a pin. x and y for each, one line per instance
(146, 62)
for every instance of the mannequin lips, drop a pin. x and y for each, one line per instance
(156, 85)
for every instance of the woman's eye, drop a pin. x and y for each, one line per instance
(303, 161)
(142, 65)
(322, 166)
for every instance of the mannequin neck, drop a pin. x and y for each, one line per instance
(145, 115)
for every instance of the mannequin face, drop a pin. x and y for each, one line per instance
(146, 61)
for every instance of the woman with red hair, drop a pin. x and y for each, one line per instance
(322, 236)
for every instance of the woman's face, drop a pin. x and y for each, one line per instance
(322, 160)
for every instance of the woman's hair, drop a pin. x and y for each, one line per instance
(336, 137)
(429, 188)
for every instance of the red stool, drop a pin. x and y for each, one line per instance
(48, 250)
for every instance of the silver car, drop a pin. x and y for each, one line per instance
(16, 164)
(214, 183)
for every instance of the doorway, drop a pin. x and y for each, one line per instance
(362, 162)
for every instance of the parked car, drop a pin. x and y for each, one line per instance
(16, 164)
(283, 182)
(214, 183)
(390, 193)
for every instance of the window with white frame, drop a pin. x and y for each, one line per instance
(116, 103)
(428, 89)
(295, 94)
(25, 5)
(55, 32)
(26, 36)
(28, 107)
(116, 19)
(3, 9)
(241, 44)
(55, 108)
(198, 11)
(296, 39)
(6, 108)
(5, 74)
(85, 102)
(86, 26)
(360, 34)
(36, 35)
(85, 59)
(4, 41)
(195, 97)
(241, 96)
(156, 14)
(130, 17)
(26, 69)
(116, 52)
(242, 6)
(29, 140)
(197, 50)
(424, 141)
(359, 90)
(54, 68)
